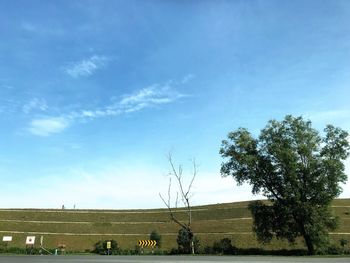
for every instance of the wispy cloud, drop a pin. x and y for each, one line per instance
(152, 96)
(29, 27)
(147, 97)
(35, 104)
(86, 67)
(48, 126)
(4, 86)
(187, 78)
(42, 29)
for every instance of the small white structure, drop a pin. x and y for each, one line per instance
(7, 238)
(30, 240)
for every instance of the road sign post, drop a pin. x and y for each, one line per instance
(109, 246)
(147, 243)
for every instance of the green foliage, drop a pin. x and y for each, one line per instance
(101, 247)
(297, 170)
(343, 242)
(157, 237)
(224, 246)
(184, 239)
(207, 218)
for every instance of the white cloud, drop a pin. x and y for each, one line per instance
(42, 29)
(109, 187)
(187, 78)
(106, 188)
(29, 27)
(35, 104)
(48, 126)
(92, 114)
(4, 86)
(140, 99)
(154, 95)
(86, 67)
(147, 97)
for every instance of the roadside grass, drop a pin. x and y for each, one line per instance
(79, 230)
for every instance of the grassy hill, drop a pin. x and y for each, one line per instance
(79, 230)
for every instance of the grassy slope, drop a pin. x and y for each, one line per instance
(80, 229)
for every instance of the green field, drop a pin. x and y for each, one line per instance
(79, 230)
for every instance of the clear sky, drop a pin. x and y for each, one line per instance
(94, 94)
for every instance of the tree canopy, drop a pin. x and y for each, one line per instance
(297, 169)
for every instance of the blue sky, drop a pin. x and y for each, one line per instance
(94, 94)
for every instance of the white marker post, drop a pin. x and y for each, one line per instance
(30, 241)
(6, 240)
(41, 245)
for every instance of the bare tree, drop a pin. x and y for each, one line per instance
(185, 196)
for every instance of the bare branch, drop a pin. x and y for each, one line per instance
(177, 199)
(184, 195)
(193, 177)
(161, 197)
(167, 204)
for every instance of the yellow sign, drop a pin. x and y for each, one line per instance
(147, 243)
(109, 244)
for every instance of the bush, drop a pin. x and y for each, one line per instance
(334, 250)
(280, 252)
(343, 242)
(101, 247)
(184, 242)
(157, 237)
(208, 250)
(224, 247)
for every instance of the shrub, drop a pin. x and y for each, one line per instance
(157, 237)
(224, 246)
(343, 242)
(101, 247)
(208, 250)
(184, 242)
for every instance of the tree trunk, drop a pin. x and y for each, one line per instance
(308, 241)
(309, 244)
(306, 236)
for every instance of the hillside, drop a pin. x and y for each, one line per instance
(79, 230)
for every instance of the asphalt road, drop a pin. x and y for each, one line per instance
(166, 259)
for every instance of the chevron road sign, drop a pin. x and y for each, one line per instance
(147, 243)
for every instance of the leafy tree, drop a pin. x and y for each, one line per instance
(157, 237)
(184, 240)
(297, 170)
